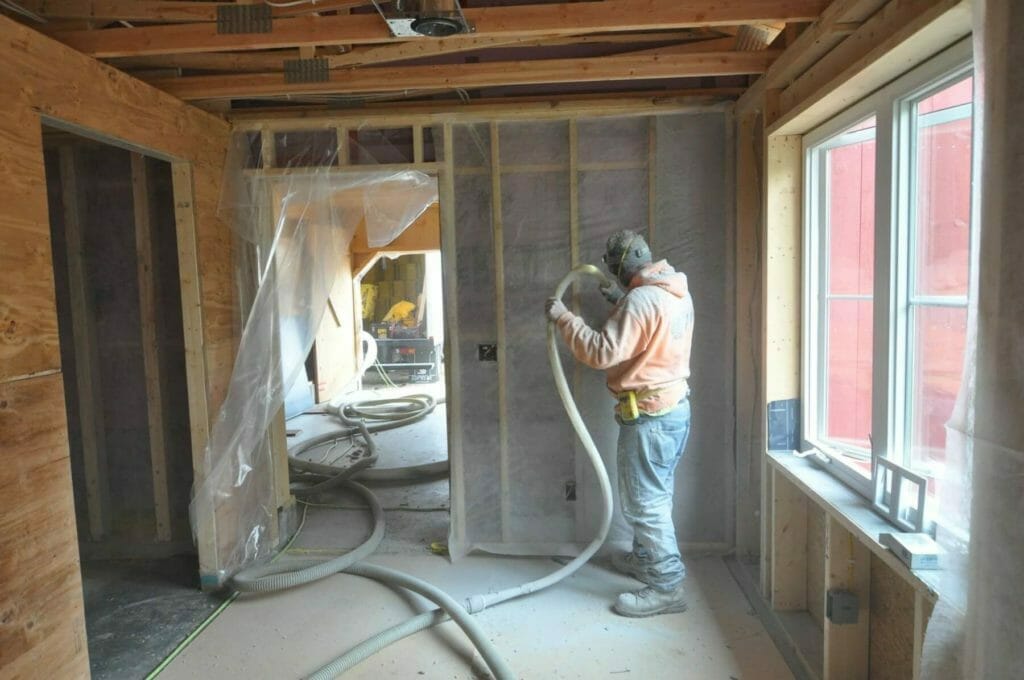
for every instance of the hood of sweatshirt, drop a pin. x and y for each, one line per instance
(662, 275)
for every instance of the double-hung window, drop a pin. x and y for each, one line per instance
(888, 238)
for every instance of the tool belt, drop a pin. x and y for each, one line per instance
(629, 401)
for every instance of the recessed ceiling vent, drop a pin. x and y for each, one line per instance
(418, 18)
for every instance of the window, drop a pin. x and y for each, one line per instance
(846, 218)
(888, 238)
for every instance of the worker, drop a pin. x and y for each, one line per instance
(644, 347)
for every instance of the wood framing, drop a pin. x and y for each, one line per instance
(490, 22)
(256, 62)
(453, 364)
(487, 74)
(783, 220)
(277, 435)
(46, 82)
(563, 107)
(83, 331)
(148, 318)
(169, 11)
(828, 30)
(750, 405)
(899, 36)
(847, 568)
(789, 546)
(497, 221)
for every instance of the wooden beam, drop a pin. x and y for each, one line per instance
(758, 36)
(498, 222)
(789, 546)
(183, 186)
(401, 114)
(891, 28)
(270, 61)
(690, 47)
(469, 76)
(615, 16)
(781, 276)
(848, 568)
(818, 39)
(164, 11)
(150, 346)
(749, 376)
(87, 380)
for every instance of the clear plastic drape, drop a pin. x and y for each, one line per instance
(975, 629)
(293, 225)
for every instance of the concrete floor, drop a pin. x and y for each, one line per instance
(565, 632)
(138, 611)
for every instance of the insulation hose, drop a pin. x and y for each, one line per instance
(276, 577)
(478, 603)
(382, 414)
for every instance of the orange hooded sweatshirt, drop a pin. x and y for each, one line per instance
(644, 346)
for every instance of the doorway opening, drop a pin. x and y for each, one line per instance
(118, 299)
(391, 297)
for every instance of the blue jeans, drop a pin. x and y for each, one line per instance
(648, 452)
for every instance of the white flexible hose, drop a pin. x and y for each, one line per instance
(368, 358)
(478, 603)
(265, 579)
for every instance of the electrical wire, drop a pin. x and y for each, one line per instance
(292, 3)
(18, 9)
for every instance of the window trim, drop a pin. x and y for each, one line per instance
(892, 187)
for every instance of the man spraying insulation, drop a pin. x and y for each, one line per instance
(644, 347)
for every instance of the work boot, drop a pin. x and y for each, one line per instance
(628, 564)
(650, 602)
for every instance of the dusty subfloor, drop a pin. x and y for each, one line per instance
(138, 611)
(566, 632)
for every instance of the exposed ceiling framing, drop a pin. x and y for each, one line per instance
(517, 48)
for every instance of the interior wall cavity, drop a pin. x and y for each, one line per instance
(105, 218)
(531, 200)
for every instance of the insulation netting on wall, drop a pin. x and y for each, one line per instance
(531, 199)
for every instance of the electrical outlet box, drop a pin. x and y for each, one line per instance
(841, 606)
(487, 352)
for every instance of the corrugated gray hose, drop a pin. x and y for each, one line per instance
(447, 606)
(364, 418)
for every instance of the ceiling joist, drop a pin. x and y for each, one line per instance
(257, 62)
(264, 62)
(163, 11)
(524, 21)
(471, 76)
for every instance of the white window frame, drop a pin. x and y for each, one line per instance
(892, 107)
(903, 342)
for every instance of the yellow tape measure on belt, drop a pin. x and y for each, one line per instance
(629, 410)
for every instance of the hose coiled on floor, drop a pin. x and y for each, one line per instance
(381, 414)
(276, 577)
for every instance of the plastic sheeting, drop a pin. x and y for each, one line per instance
(975, 629)
(297, 221)
(527, 489)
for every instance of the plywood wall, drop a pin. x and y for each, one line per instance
(42, 627)
(892, 624)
